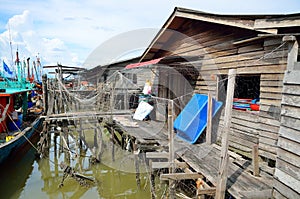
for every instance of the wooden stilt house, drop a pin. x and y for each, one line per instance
(264, 51)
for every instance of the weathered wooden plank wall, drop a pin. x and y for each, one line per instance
(287, 171)
(257, 57)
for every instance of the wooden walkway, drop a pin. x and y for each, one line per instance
(203, 159)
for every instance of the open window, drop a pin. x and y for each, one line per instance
(246, 92)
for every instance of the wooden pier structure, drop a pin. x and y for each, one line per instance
(243, 153)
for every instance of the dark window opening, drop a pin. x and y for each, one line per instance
(246, 87)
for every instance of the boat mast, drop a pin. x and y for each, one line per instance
(10, 44)
(19, 75)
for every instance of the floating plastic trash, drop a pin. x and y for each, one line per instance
(192, 120)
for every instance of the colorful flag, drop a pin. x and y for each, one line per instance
(6, 68)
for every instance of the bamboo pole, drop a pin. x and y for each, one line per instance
(223, 171)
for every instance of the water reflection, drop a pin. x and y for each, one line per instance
(15, 174)
(30, 178)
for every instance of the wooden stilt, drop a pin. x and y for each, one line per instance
(100, 144)
(255, 160)
(136, 164)
(113, 145)
(152, 181)
(171, 147)
(223, 171)
(209, 120)
(45, 94)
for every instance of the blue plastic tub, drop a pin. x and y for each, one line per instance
(192, 120)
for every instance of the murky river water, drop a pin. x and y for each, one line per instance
(31, 178)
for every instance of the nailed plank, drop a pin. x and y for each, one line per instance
(292, 100)
(153, 155)
(179, 176)
(288, 168)
(206, 191)
(269, 121)
(276, 23)
(267, 154)
(289, 145)
(278, 76)
(291, 122)
(160, 165)
(291, 89)
(278, 195)
(291, 77)
(244, 135)
(268, 148)
(285, 190)
(271, 102)
(267, 134)
(288, 180)
(271, 83)
(288, 157)
(268, 141)
(290, 134)
(268, 128)
(262, 194)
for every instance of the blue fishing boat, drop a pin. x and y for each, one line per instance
(19, 123)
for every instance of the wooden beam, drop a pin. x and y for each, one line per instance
(293, 48)
(171, 147)
(160, 165)
(267, 193)
(209, 120)
(223, 171)
(255, 160)
(179, 176)
(157, 155)
(292, 77)
(207, 191)
(277, 22)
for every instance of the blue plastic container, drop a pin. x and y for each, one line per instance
(12, 126)
(192, 120)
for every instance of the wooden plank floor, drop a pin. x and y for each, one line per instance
(205, 159)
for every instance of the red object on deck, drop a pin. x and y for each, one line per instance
(254, 107)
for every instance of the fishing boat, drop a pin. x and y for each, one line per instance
(19, 122)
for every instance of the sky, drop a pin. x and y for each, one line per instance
(69, 31)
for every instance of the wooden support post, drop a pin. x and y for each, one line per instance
(179, 176)
(255, 160)
(113, 145)
(136, 164)
(223, 171)
(45, 93)
(94, 150)
(100, 142)
(171, 147)
(209, 120)
(152, 181)
(81, 134)
(293, 51)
